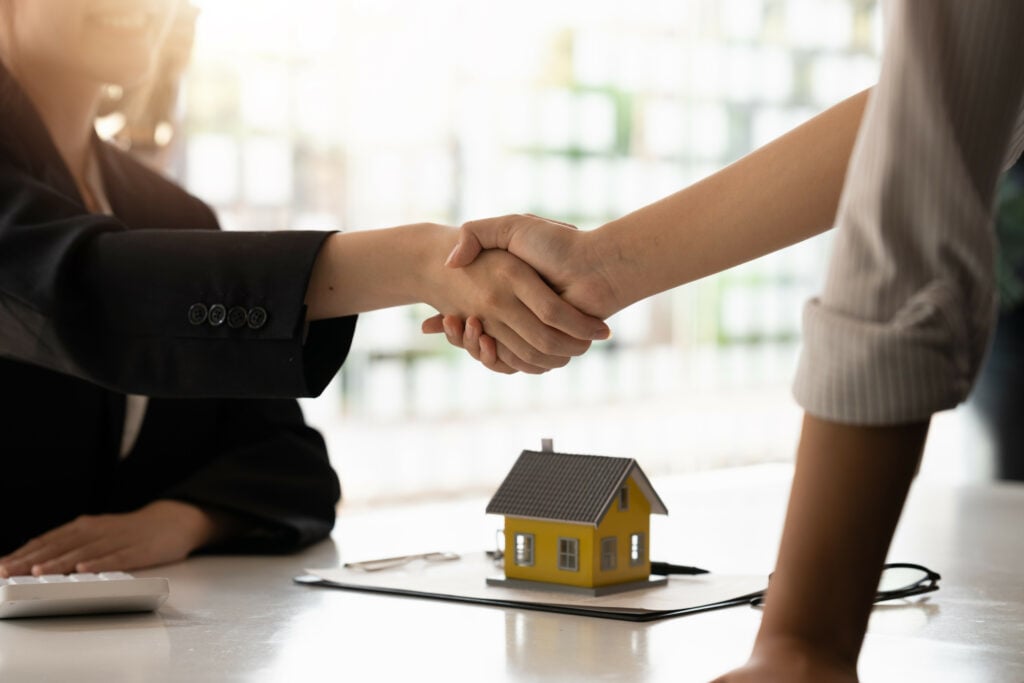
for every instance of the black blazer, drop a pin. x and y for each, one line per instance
(154, 300)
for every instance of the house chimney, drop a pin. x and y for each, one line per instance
(547, 445)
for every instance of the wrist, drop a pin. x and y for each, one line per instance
(199, 527)
(613, 264)
(797, 654)
(425, 249)
(371, 269)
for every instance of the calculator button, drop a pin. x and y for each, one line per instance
(22, 580)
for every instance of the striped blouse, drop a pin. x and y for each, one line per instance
(903, 322)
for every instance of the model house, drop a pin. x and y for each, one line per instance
(576, 522)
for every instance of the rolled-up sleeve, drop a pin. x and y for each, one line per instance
(902, 324)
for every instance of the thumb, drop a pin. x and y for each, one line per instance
(475, 236)
(466, 249)
(551, 220)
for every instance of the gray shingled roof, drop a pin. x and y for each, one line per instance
(567, 487)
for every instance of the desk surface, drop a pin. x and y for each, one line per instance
(242, 619)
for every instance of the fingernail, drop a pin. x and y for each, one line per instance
(602, 333)
(452, 254)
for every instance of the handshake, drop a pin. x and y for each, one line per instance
(547, 289)
(523, 293)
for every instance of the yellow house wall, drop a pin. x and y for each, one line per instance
(622, 524)
(545, 551)
(546, 534)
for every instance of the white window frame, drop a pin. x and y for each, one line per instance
(522, 549)
(637, 548)
(568, 554)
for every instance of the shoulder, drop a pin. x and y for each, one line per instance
(142, 197)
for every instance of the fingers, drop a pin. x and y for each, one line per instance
(56, 552)
(514, 354)
(488, 349)
(70, 560)
(40, 549)
(494, 233)
(469, 336)
(517, 303)
(576, 329)
(483, 348)
(454, 330)
(520, 355)
(475, 236)
(433, 325)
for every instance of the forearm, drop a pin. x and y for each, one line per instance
(367, 270)
(848, 492)
(776, 196)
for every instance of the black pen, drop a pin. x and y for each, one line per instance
(666, 569)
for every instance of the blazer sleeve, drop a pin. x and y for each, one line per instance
(174, 313)
(271, 473)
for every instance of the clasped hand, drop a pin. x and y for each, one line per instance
(565, 257)
(161, 532)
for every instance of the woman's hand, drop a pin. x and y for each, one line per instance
(517, 309)
(163, 531)
(534, 328)
(568, 259)
(565, 257)
(469, 335)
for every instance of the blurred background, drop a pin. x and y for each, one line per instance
(361, 114)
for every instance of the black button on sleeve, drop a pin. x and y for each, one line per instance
(257, 317)
(218, 314)
(197, 314)
(237, 317)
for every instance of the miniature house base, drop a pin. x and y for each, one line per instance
(597, 591)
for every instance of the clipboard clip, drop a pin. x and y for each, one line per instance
(400, 560)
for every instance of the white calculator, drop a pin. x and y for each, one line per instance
(59, 594)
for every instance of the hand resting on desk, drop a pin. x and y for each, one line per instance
(161, 532)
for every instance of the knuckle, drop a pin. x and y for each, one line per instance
(549, 311)
(553, 343)
(579, 347)
(535, 357)
(492, 298)
(503, 270)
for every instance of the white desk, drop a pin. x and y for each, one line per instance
(242, 619)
